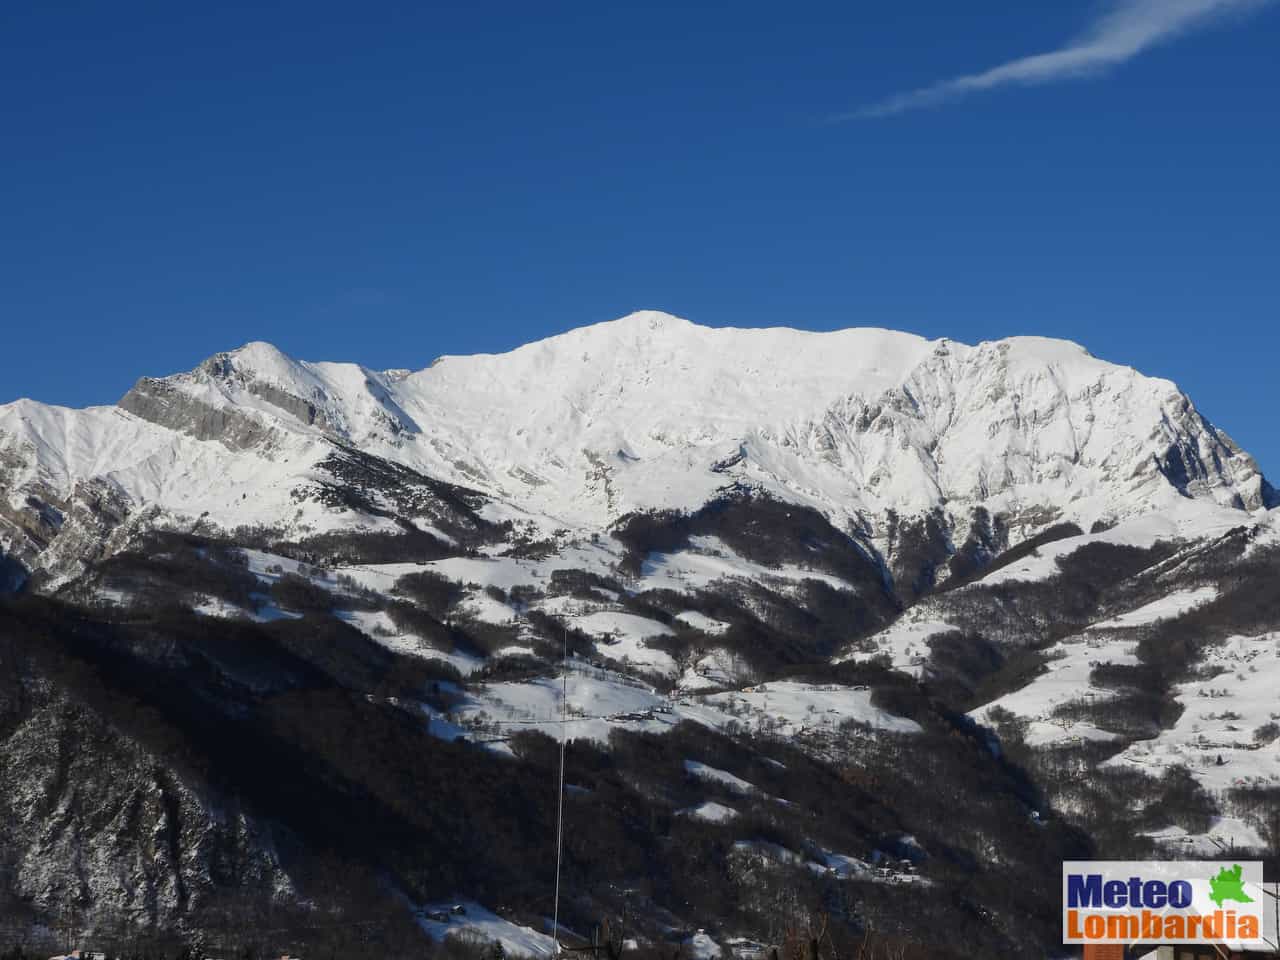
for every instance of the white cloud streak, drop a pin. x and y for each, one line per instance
(1126, 29)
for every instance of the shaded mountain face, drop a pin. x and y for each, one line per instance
(913, 588)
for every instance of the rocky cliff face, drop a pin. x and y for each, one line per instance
(92, 818)
(166, 405)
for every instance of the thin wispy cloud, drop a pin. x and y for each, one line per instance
(1124, 30)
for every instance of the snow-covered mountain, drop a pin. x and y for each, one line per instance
(646, 412)
(851, 617)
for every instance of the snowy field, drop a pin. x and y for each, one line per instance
(905, 642)
(1166, 608)
(379, 627)
(1192, 520)
(701, 622)
(600, 701)
(1225, 835)
(717, 669)
(482, 925)
(787, 708)
(704, 772)
(1070, 665)
(1228, 716)
(621, 636)
(710, 812)
(709, 560)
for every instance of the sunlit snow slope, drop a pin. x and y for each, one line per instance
(649, 411)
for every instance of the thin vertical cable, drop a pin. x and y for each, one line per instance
(564, 726)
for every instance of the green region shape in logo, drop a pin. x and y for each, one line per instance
(1228, 885)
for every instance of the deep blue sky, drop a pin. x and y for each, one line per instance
(387, 182)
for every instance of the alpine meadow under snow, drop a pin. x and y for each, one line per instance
(859, 624)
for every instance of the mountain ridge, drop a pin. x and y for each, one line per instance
(904, 591)
(652, 412)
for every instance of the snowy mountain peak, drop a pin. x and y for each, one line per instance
(255, 360)
(639, 320)
(263, 364)
(853, 421)
(651, 411)
(1048, 350)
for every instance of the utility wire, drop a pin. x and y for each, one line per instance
(564, 707)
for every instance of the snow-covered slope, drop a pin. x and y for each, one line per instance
(652, 411)
(649, 411)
